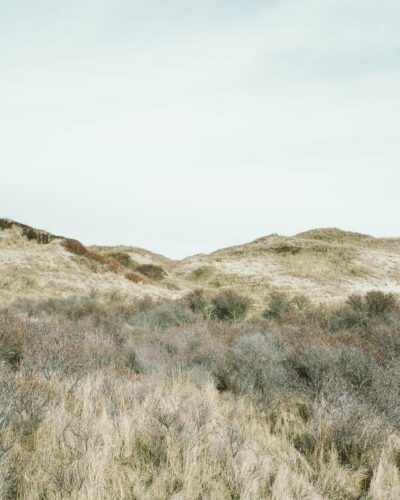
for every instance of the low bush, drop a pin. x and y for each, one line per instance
(313, 366)
(346, 317)
(196, 301)
(279, 304)
(152, 271)
(229, 306)
(163, 315)
(254, 365)
(74, 246)
(10, 347)
(135, 277)
(124, 259)
(378, 303)
(361, 311)
(356, 367)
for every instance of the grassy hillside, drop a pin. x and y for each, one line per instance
(253, 372)
(325, 264)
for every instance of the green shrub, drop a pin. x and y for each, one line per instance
(279, 304)
(124, 259)
(152, 271)
(229, 306)
(10, 349)
(378, 302)
(346, 318)
(162, 316)
(196, 301)
(356, 303)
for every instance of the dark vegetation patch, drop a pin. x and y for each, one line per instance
(229, 306)
(77, 248)
(30, 233)
(124, 258)
(286, 249)
(117, 262)
(152, 271)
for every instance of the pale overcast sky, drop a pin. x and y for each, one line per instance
(186, 126)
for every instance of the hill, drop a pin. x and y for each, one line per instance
(324, 264)
(105, 396)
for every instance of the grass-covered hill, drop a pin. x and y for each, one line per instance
(255, 372)
(325, 264)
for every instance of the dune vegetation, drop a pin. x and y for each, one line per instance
(105, 396)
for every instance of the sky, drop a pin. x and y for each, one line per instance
(186, 126)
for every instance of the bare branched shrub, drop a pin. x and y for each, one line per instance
(255, 364)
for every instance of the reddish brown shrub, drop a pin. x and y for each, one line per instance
(97, 257)
(115, 267)
(74, 246)
(135, 277)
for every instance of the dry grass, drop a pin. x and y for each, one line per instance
(325, 264)
(117, 398)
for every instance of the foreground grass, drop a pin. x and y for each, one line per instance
(107, 398)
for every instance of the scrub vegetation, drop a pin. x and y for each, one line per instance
(105, 396)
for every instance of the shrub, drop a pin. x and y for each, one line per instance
(356, 303)
(97, 257)
(356, 367)
(378, 302)
(74, 246)
(196, 301)
(162, 316)
(279, 304)
(152, 271)
(124, 259)
(313, 366)
(114, 266)
(30, 233)
(254, 365)
(229, 306)
(135, 277)
(10, 348)
(346, 318)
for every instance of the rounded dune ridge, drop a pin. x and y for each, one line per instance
(327, 264)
